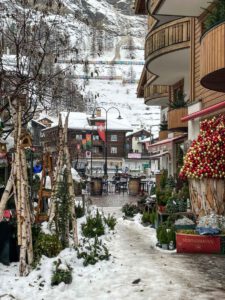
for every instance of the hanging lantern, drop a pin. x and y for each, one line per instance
(26, 140)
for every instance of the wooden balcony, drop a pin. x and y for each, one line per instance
(212, 70)
(167, 49)
(156, 95)
(174, 119)
(177, 7)
(169, 37)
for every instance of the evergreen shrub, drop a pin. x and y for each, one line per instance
(110, 221)
(92, 253)
(130, 210)
(93, 226)
(46, 244)
(61, 275)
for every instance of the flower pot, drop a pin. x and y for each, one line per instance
(207, 196)
(165, 246)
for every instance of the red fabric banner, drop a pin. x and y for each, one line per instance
(101, 130)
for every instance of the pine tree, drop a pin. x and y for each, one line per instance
(63, 203)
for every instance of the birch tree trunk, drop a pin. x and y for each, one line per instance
(71, 184)
(58, 174)
(7, 191)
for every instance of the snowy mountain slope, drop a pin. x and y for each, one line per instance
(103, 32)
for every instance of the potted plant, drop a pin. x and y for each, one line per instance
(177, 110)
(216, 15)
(163, 130)
(179, 101)
(163, 238)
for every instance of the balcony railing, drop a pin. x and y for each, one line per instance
(169, 37)
(174, 119)
(156, 91)
(212, 70)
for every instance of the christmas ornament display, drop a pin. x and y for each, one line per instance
(206, 156)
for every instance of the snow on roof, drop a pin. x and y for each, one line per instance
(136, 131)
(39, 123)
(146, 140)
(79, 120)
(45, 116)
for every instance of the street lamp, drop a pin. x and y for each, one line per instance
(106, 123)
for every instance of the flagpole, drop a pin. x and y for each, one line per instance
(106, 133)
(106, 148)
(91, 148)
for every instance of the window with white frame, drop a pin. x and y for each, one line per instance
(95, 137)
(113, 138)
(113, 150)
(78, 137)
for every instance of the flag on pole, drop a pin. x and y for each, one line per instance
(101, 130)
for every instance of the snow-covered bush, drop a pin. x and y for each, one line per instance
(92, 251)
(62, 273)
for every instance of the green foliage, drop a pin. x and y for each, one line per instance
(162, 235)
(171, 235)
(179, 101)
(60, 275)
(176, 204)
(146, 217)
(46, 244)
(130, 210)
(92, 253)
(153, 217)
(163, 196)
(93, 226)
(163, 179)
(215, 16)
(79, 211)
(171, 182)
(163, 126)
(63, 216)
(110, 221)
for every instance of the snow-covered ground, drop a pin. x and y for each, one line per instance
(161, 274)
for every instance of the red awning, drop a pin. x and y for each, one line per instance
(203, 112)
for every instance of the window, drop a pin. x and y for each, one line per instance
(113, 150)
(113, 138)
(95, 138)
(95, 150)
(78, 137)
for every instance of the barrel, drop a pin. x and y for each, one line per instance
(134, 186)
(96, 186)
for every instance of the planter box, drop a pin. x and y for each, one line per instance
(188, 243)
(163, 134)
(207, 196)
(185, 227)
(174, 119)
